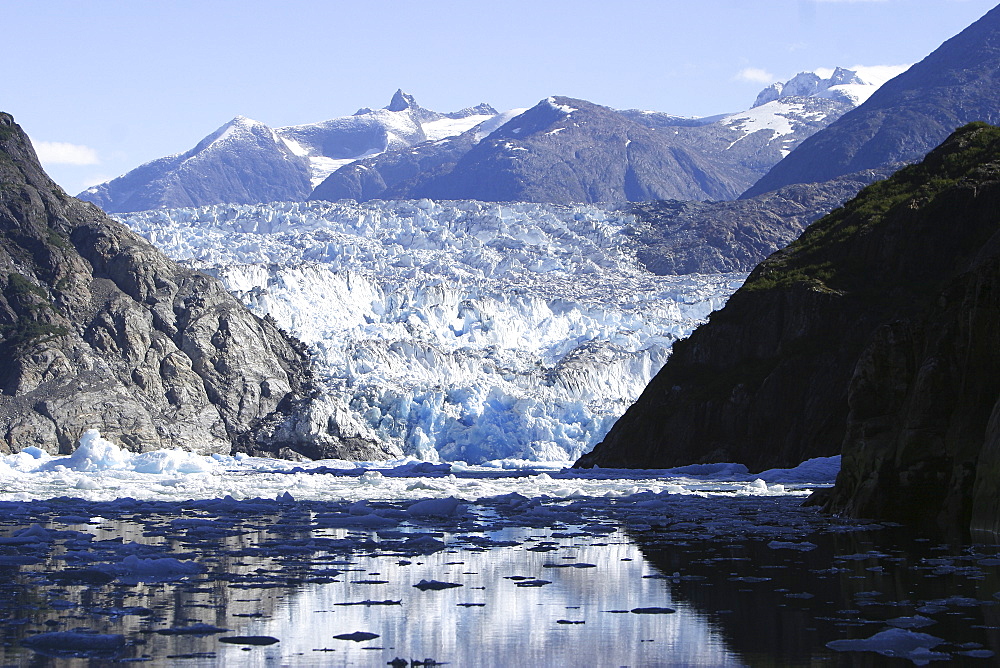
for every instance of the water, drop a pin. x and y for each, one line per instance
(703, 566)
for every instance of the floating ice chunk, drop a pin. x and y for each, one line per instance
(447, 507)
(75, 641)
(914, 622)
(172, 461)
(36, 533)
(371, 478)
(816, 470)
(435, 585)
(713, 470)
(896, 643)
(357, 636)
(249, 640)
(96, 454)
(191, 630)
(804, 546)
(165, 567)
(423, 543)
(369, 521)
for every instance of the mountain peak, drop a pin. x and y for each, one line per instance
(402, 101)
(907, 116)
(808, 84)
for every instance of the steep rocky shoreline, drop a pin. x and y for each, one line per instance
(100, 329)
(873, 335)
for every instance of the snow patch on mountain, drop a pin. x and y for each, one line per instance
(782, 117)
(485, 129)
(451, 127)
(454, 330)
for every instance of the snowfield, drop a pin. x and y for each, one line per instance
(454, 331)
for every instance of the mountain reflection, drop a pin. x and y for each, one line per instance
(780, 604)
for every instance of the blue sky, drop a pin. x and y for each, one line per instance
(109, 85)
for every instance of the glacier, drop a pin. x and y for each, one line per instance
(457, 331)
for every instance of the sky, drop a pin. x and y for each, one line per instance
(104, 86)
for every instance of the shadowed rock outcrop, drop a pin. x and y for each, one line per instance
(875, 334)
(100, 329)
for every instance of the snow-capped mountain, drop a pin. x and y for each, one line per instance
(561, 150)
(853, 86)
(597, 154)
(456, 330)
(245, 161)
(541, 154)
(911, 114)
(330, 145)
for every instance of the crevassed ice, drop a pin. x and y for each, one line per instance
(461, 331)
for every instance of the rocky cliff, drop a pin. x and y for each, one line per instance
(99, 329)
(908, 116)
(874, 334)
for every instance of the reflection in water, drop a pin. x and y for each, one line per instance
(581, 617)
(780, 604)
(546, 595)
(545, 581)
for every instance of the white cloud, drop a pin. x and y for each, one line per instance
(63, 153)
(756, 75)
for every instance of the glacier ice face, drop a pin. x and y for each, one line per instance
(461, 331)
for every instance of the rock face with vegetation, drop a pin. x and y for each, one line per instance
(956, 84)
(99, 329)
(874, 334)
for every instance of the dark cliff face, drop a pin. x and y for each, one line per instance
(956, 84)
(874, 334)
(99, 329)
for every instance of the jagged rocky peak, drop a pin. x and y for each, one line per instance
(401, 101)
(807, 84)
(98, 329)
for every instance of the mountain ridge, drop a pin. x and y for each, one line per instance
(406, 151)
(909, 115)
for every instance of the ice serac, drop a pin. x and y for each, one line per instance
(458, 330)
(911, 114)
(98, 329)
(873, 334)
(243, 161)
